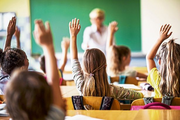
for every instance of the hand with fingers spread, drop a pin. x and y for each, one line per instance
(42, 34)
(11, 27)
(112, 28)
(164, 32)
(74, 27)
(43, 37)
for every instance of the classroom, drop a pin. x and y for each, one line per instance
(100, 59)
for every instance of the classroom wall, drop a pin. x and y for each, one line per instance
(155, 13)
(21, 7)
(60, 12)
(22, 10)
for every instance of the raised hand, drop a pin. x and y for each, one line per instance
(17, 33)
(10, 32)
(11, 27)
(65, 43)
(42, 34)
(43, 37)
(112, 28)
(74, 27)
(163, 33)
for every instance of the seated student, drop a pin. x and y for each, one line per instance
(11, 58)
(28, 95)
(92, 79)
(119, 57)
(166, 80)
(64, 46)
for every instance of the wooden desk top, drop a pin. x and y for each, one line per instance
(103, 114)
(129, 115)
(68, 91)
(158, 115)
(125, 115)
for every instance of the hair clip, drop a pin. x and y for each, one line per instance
(91, 75)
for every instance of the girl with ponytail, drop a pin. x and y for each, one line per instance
(166, 80)
(91, 80)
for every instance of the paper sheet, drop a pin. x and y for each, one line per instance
(80, 117)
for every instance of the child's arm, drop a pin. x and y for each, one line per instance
(78, 77)
(43, 37)
(163, 36)
(141, 75)
(10, 32)
(64, 46)
(17, 35)
(74, 28)
(123, 93)
(112, 28)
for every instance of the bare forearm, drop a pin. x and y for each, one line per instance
(73, 45)
(150, 56)
(154, 50)
(52, 73)
(109, 41)
(141, 75)
(8, 41)
(18, 43)
(64, 59)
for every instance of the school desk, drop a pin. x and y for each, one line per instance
(125, 115)
(138, 69)
(68, 91)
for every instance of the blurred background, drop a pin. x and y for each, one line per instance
(138, 21)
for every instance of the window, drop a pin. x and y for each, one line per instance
(4, 19)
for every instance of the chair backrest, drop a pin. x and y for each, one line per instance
(129, 80)
(68, 83)
(95, 102)
(140, 102)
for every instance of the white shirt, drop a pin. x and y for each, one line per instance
(93, 39)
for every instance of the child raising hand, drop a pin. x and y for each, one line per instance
(166, 80)
(92, 79)
(28, 95)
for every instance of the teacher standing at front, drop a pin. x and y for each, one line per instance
(95, 36)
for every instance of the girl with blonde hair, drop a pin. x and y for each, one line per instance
(92, 79)
(166, 80)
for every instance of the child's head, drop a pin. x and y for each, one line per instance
(28, 96)
(42, 63)
(13, 58)
(117, 58)
(169, 59)
(94, 67)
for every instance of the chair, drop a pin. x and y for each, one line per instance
(95, 102)
(129, 80)
(140, 102)
(68, 83)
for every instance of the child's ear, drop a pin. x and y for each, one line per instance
(124, 58)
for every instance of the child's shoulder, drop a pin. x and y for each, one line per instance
(55, 113)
